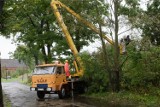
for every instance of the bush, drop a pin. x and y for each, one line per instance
(95, 74)
(142, 70)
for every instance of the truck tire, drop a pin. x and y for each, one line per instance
(62, 92)
(83, 89)
(40, 94)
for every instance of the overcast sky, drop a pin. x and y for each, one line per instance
(6, 46)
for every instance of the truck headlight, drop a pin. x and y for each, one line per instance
(49, 89)
(32, 89)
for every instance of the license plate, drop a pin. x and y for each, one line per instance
(40, 89)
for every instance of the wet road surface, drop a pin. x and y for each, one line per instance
(21, 96)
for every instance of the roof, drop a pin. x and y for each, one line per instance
(54, 63)
(10, 63)
(46, 65)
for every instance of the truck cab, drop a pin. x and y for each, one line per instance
(49, 78)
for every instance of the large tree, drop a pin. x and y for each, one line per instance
(121, 15)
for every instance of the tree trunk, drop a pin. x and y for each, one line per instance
(105, 56)
(1, 93)
(35, 58)
(116, 48)
(1, 5)
(106, 60)
(44, 55)
(49, 53)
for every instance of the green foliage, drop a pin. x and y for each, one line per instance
(127, 98)
(150, 22)
(6, 101)
(80, 33)
(95, 74)
(130, 8)
(33, 23)
(22, 53)
(18, 73)
(141, 71)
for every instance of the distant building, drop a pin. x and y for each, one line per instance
(11, 65)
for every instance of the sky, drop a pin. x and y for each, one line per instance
(6, 46)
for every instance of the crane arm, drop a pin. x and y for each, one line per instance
(77, 16)
(67, 35)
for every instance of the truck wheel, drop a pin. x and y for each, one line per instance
(83, 89)
(62, 92)
(40, 94)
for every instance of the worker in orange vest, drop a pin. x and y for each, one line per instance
(66, 68)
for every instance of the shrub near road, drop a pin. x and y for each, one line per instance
(142, 71)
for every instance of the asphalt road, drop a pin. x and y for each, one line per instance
(21, 96)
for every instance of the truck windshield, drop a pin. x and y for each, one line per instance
(44, 70)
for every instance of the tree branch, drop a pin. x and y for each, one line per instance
(32, 22)
(125, 31)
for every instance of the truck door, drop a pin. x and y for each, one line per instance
(60, 76)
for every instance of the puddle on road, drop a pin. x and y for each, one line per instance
(72, 106)
(51, 101)
(74, 102)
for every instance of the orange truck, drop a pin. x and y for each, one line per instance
(51, 79)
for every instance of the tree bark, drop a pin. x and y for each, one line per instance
(1, 93)
(105, 55)
(49, 53)
(1, 5)
(116, 48)
(44, 55)
(36, 58)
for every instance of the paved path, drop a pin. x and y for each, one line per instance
(21, 96)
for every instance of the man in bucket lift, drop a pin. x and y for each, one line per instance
(124, 42)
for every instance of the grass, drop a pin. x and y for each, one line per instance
(21, 79)
(6, 101)
(11, 80)
(128, 99)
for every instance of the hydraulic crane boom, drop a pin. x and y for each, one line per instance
(67, 35)
(90, 25)
(55, 4)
